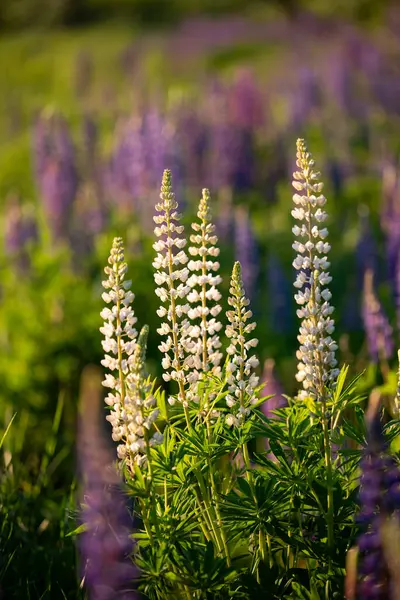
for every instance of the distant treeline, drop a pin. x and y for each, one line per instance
(16, 14)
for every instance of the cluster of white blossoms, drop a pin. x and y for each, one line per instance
(179, 362)
(132, 406)
(241, 379)
(204, 295)
(316, 354)
(134, 424)
(119, 324)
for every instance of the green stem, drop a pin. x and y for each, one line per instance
(209, 510)
(329, 478)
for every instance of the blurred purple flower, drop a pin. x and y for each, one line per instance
(272, 387)
(20, 225)
(192, 140)
(106, 543)
(376, 325)
(127, 168)
(246, 101)
(379, 499)
(56, 172)
(279, 296)
(304, 98)
(390, 217)
(246, 251)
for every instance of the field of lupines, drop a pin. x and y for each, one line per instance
(240, 452)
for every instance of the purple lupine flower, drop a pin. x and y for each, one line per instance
(304, 98)
(106, 543)
(380, 499)
(90, 137)
(272, 387)
(390, 217)
(127, 169)
(246, 101)
(20, 225)
(378, 330)
(279, 296)
(192, 139)
(246, 251)
(56, 172)
(222, 145)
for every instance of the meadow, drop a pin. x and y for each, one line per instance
(238, 456)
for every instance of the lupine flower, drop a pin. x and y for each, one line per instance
(272, 387)
(380, 499)
(19, 226)
(106, 543)
(377, 327)
(139, 412)
(204, 295)
(390, 217)
(246, 251)
(240, 376)
(191, 133)
(172, 278)
(278, 296)
(316, 355)
(246, 101)
(56, 172)
(119, 342)
(127, 164)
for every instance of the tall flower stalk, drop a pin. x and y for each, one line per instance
(171, 276)
(317, 363)
(204, 296)
(241, 379)
(132, 405)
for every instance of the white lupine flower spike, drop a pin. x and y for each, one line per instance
(119, 320)
(171, 276)
(204, 295)
(317, 364)
(129, 419)
(240, 376)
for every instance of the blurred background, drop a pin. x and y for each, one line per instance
(97, 98)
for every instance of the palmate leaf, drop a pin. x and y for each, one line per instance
(245, 514)
(200, 570)
(197, 444)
